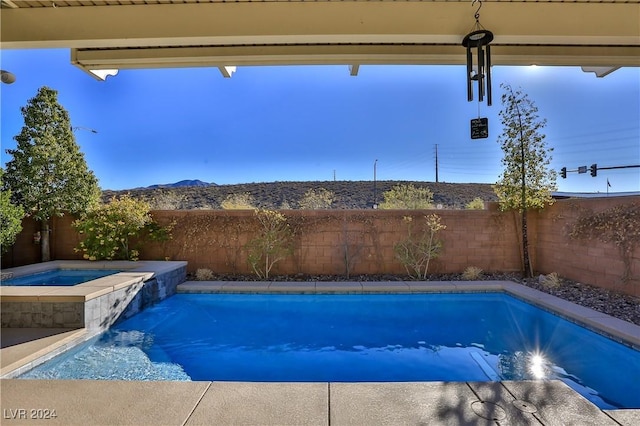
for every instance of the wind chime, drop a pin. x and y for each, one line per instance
(479, 38)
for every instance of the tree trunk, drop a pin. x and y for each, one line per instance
(45, 252)
(525, 246)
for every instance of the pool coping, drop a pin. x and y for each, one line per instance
(617, 329)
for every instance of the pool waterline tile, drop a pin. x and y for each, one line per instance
(346, 287)
(307, 287)
(431, 286)
(385, 287)
(201, 287)
(245, 286)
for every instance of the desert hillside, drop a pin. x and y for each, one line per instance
(348, 194)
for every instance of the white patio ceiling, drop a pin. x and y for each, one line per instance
(164, 33)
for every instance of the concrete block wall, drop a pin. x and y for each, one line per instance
(42, 314)
(587, 261)
(324, 239)
(488, 239)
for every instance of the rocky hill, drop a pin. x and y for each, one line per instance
(348, 194)
(180, 184)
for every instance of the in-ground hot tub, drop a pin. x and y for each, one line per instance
(95, 304)
(87, 308)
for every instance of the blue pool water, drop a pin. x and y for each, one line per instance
(59, 277)
(356, 338)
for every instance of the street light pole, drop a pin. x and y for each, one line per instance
(73, 129)
(375, 193)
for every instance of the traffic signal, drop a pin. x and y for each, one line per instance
(563, 172)
(594, 170)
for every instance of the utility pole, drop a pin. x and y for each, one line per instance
(375, 194)
(436, 163)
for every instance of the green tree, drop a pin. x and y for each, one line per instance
(475, 204)
(527, 181)
(407, 197)
(48, 174)
(10, 218)
(317, 200)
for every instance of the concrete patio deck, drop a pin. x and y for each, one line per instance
(91, 402)
(87, 402)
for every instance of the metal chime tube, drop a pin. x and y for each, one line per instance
(480, 73)
(469, 71)
(488, 50)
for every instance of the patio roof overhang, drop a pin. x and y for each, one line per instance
(152, 34)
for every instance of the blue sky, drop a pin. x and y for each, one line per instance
(304, 123)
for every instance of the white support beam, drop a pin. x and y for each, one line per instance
(600, 71)
(227, 71)
(348, 54)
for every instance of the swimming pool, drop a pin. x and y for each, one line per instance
(59, 277)
(356, 338)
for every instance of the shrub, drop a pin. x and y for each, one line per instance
(166, 200)
(285, 205)
(475, 204)
(272, 243)
(241, 201)
(108, 229)
(317, 200)
(552, 280)
(472, 273)
(204, 274)
(403, 197)
(417, 250)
